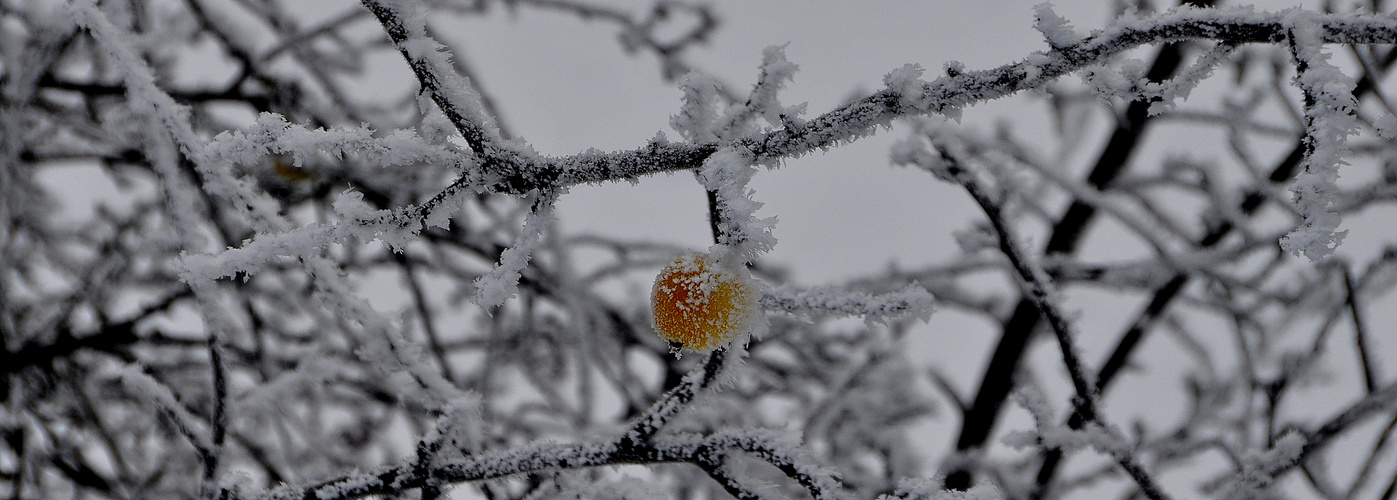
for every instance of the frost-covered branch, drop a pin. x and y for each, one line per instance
(1329, 120)
(911, 96)
(508, 169)
(740, 234)
(1295, 447)
(913, 301)
(405, 22)
(676, 399)
(493, 289)
(556, 456)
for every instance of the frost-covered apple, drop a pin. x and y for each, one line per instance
(702, 304)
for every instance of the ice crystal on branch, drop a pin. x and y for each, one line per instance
(697, 116)
(1329, 121)
(776, 72)
(1057, 30)
(501, 283)
(741, 235)
(913, 302)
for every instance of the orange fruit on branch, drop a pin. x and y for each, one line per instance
(701, 304)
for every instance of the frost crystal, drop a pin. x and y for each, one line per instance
(1058, 31)
(906, 81)
(493, 289)
(455, 89)
(741, 235)
(912, 301)
(362, 221)
(1329, 117)
(699, 110)
(776, 71)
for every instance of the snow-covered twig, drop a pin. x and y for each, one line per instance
(503, 281)
(406, 25)
(149, 101)
(741, 235)
(1329, 120)
(1036, 283)
(509, 170)
(786, 456)
(861, 117)
(553, 456)
(271, 134)
(913, 301)
(678, 398)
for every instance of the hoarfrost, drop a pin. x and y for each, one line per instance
(256, 253)
(271, 134)
(503, 281)
(1329, 120)
(923, 488)
(457, 96)
(362, 221)
(146, 99)
(907, 82)
(1057, 31)
(913, 301)
(440, 215)
(741, 235)
(699, 110)
(776, 71)
(710, 119)
(1183, 84)
(1050, 434)
(1259, 468)
(704, 118)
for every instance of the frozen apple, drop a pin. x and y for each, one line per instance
(701, 304)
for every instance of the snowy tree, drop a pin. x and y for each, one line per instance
(234, 263)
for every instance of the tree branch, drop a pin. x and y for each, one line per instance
(1037, 291)
(860, 118)
(551, 456)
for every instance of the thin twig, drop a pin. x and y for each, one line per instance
(677, 398)
(1374, 455)
(552, 456)
(424, 313)
(1034, 280)
(1360, 334)
(711, 461)
(219, 419)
